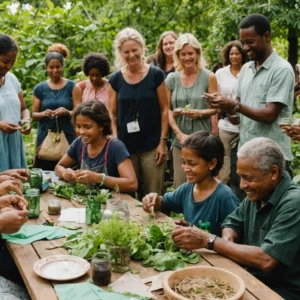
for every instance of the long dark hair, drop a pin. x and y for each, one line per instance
(159, 53)
(226, 50)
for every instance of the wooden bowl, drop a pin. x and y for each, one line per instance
(228, 277)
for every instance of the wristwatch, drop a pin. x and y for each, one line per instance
(211, 240)
(237, 107)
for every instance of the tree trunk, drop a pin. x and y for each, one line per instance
(293, 46)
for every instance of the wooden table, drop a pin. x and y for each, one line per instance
(42, 289)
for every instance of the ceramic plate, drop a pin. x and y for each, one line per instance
(61, 267)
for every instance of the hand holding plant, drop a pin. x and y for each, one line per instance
(150, 202)
(69, 175)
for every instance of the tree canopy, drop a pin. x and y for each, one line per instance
(86, 26)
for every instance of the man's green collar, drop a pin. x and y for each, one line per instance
(267, 63)
(280, 189)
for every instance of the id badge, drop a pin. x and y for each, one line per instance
(133, 127)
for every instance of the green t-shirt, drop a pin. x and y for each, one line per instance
(182, 96)
(275, 228)
(273, 82)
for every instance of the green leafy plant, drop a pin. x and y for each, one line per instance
(108, 233)
(152, 245)
(117, 190)
(79, 192)
(165, 255)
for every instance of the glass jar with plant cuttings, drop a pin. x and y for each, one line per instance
(101, 268)
(33, 198)
(93, 211)
(120, 259)
(116, 207)
(36, 178)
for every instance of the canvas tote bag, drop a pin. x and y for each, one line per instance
(54, 146)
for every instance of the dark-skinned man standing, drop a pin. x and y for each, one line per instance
(263, 232)
(265, 88)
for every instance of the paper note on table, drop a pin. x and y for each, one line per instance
(76, 215)
(130, 283)
(157, 281)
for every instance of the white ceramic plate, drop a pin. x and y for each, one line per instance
(61, 267)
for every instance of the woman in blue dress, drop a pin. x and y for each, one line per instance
(54, 99)
(13, 110)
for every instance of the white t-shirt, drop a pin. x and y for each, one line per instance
(227, 87)
(226, 82)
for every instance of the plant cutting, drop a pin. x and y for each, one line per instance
(152, 245)
(79, 192)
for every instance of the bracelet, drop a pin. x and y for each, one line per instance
(71, 113)
(163, 139)
(103, 179)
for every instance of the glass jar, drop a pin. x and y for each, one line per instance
(120, 259)
(54, 207)
(92, 211)
(33, 198)
(116, 206)
(36, 178)
(101, 268)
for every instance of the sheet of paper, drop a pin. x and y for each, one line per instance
(131, 283)
(76, 215)
(157, 281)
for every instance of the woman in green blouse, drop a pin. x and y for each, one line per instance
(189, 112)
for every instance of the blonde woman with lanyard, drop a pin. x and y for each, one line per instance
(137, 101)
(189, 112)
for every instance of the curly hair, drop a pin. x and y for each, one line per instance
(57, 51)
(159, 53)
(226, 50)
(96, 111)
(95, 61)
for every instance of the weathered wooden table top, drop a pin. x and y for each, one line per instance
(42, 289)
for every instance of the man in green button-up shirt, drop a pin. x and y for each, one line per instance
(263, 233)
(265, 87)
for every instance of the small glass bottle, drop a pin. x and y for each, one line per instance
(92, 211)
(33, 198)
(36, 178)
(204, 225)
(118, 207)
(101, 268)
(54, 207)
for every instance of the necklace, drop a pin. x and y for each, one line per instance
(59, 85)
(55, 95)
(188, 91)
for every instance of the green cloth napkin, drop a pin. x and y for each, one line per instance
(87, 291)
(31, 233)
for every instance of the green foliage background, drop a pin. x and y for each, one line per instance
(91, 25)
(86, 26)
